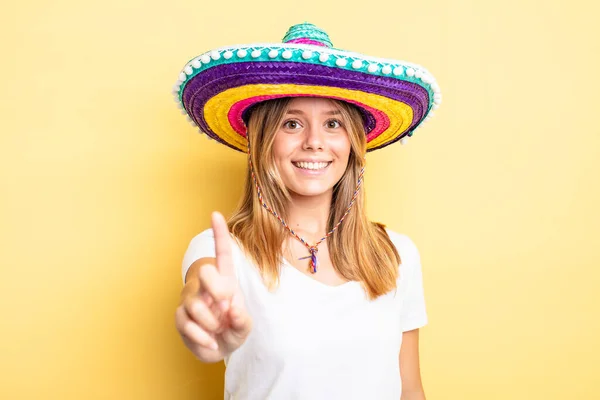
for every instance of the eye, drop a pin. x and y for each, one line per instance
(333, 124)
(291, 124)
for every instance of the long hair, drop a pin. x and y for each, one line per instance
(359, 250)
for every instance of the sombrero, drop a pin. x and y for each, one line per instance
(216, 89)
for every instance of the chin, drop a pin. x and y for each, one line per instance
(308, 191)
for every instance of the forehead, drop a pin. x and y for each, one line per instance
(312, 104)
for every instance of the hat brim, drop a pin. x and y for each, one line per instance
(219, 87)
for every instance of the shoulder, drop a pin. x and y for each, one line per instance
(205, 235)
(203, 246)
(409, 253)
(206, 240)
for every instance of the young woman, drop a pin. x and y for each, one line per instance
(299, 293)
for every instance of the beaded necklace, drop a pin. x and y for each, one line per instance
(311, 249)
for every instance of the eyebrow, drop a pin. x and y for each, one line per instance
(300, 112)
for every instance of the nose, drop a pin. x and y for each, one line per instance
(314, 139)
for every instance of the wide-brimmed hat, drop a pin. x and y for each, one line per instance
(216, 89)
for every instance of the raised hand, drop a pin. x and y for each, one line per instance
(212, 318)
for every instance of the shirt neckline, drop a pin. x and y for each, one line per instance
(315, 282)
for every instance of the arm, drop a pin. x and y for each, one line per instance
(410, 373)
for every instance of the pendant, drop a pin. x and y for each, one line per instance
(313, 259)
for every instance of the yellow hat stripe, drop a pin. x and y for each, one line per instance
(216, 109)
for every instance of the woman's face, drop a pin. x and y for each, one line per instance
(311, 146)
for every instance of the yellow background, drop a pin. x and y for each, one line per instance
(103, 184)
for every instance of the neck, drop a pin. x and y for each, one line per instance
(309, 214)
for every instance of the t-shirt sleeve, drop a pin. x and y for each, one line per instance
(201, 246)
(413, 313)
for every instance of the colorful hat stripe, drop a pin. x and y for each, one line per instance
(368, 114)
(380, 122)
(216, 109)
(301, 53)
(307, 41)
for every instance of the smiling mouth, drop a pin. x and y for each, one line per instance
(313, 166)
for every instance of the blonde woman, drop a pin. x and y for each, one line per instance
(299, 293)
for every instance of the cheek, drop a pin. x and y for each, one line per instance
(279, 150)
(283, 145)
(342, 148)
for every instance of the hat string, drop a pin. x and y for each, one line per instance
(311, 249)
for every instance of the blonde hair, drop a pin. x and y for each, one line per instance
(359, 250)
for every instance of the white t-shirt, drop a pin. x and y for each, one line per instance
(311, 341)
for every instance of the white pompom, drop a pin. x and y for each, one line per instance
(215, 55)
(227, 55)
(188, 70)
(182, 76)
(398, 71)
(242, 53)
(196, 63)
(410, 72)
(307, 54)
(255, 54)
(205, 58)
(435, 87)
(373, 68)
(324, 57)
(341, 62)
(286, 54)
(273, 53)
(386, 70)
(176, 88)
(356, 64)
(419, 74)
(404, 140)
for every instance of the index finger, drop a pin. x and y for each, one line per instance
(222, 244)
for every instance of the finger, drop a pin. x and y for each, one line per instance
(239, 319)
(220, 288)
(206, 297)
(202, 292)
(200, 312)
(192, 331)
(222, 244)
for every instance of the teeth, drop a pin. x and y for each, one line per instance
(311, 165)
